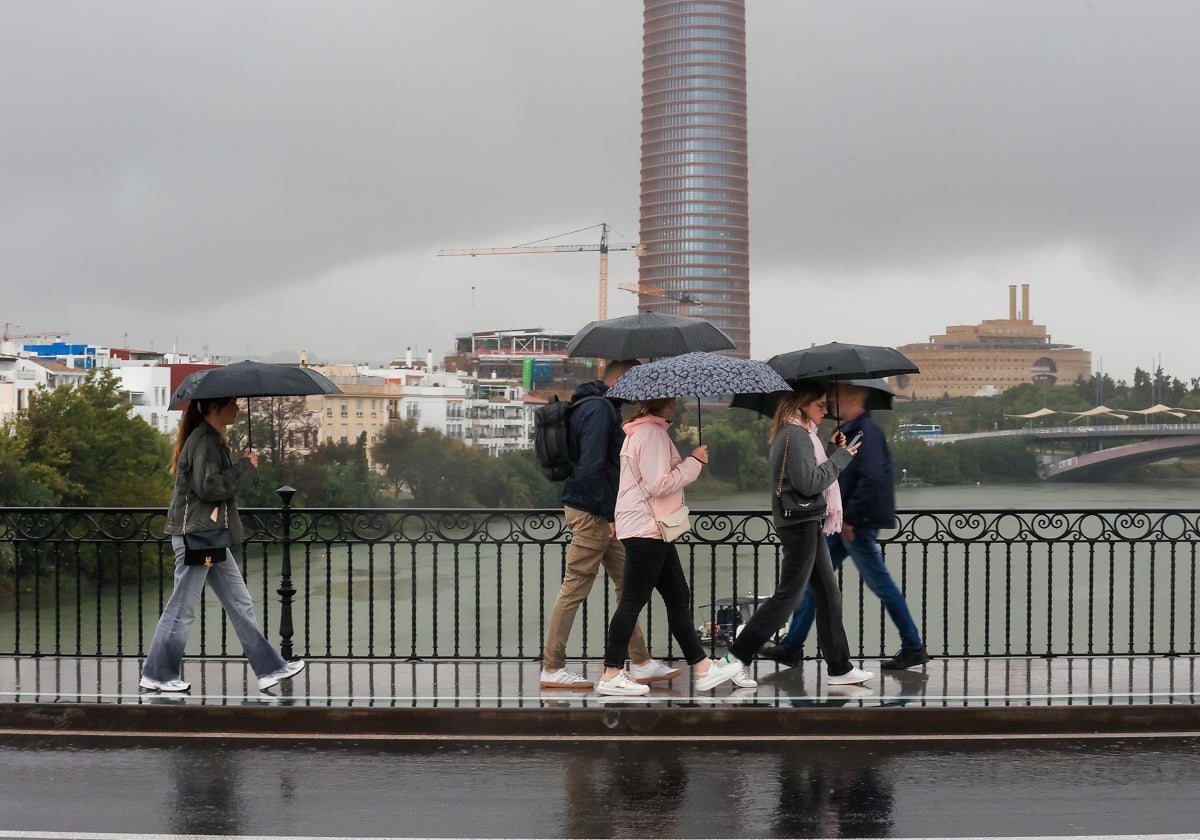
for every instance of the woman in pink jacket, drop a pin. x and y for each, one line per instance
(653, 476)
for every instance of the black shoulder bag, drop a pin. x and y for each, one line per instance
(793, 504)
(204, 548)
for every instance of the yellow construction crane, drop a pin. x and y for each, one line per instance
(537, 248)
(685, 300)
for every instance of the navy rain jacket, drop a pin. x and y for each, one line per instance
(596, 438)
(868, 494)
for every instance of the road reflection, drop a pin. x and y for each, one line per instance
(600, 788)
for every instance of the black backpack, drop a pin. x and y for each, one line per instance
(552, 436)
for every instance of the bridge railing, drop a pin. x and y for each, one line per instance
(479, 584)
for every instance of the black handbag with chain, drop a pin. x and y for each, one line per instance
(204, 548)
(792, 503)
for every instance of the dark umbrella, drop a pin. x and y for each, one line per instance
(842, 361)
(647, 336)
(251, 379)
(696, 375)
(879, 398)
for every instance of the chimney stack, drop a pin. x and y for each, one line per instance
(408, 358)
(1025, 316)
(1012, 302)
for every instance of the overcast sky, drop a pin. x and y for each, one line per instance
(255, 179)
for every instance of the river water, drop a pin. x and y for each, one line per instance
(1169, 494)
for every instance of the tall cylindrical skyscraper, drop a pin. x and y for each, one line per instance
(694, 200)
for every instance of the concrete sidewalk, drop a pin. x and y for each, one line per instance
(949, 697)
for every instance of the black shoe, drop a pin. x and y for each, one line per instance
(784, 656)
(906, 659)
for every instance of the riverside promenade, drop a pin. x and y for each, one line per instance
(428, 624)
(950, 698)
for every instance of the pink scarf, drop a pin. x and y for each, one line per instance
(833, 494)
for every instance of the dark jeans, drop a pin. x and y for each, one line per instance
(805, 562)
(865, 552)
(652, 564)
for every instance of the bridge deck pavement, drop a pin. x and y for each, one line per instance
(948, 698)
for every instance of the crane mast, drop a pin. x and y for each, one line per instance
(603, 247)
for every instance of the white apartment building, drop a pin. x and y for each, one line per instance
(487, 413)
(20, 376)
(149, 391)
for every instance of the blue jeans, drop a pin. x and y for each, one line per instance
(170, 637)
(864, 551)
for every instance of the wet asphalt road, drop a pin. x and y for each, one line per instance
(602, 789)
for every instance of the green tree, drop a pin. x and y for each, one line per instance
(80, 445)
(17, 488)
(734, 456)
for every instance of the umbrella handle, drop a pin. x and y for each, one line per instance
(699, 428)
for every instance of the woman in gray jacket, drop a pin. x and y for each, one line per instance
(805, 500)
(207, 480)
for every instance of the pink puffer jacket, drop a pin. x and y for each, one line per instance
(664, 475)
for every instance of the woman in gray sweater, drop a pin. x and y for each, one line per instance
(207, 479)
(805, 501)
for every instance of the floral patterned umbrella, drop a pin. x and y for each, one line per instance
(696, 375)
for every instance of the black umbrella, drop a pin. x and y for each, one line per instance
(647, 335)
(251, 379)
(842, 361)
(879, 398)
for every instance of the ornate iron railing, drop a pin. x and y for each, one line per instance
(479, 584)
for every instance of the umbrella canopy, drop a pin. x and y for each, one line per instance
(879, 398)
(842, 361)
(647, 336)
(251, 379)
(696, 375)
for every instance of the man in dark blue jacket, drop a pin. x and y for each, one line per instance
(868, 504)
(589, 497)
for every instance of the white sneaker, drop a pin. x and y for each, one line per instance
(288, 671)
(742, 679)
(562, 678)
(851, 677)
(169, 685)
(621, 686)
(719, 671)
(653, 671)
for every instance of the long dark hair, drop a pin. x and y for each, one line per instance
(192, 418)
(802, 393)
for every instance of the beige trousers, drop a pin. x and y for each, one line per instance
(591, 546)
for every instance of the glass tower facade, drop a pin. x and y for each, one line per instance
(694, 223)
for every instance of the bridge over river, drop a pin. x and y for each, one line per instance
(1075, 453)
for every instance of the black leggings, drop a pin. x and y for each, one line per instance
(652, 564)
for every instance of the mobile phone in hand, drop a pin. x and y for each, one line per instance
(855, 440)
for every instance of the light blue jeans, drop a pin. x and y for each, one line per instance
(865, 552)
(170, 637)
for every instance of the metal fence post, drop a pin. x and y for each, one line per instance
(287, 592)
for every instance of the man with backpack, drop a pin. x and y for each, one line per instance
(589, 498)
